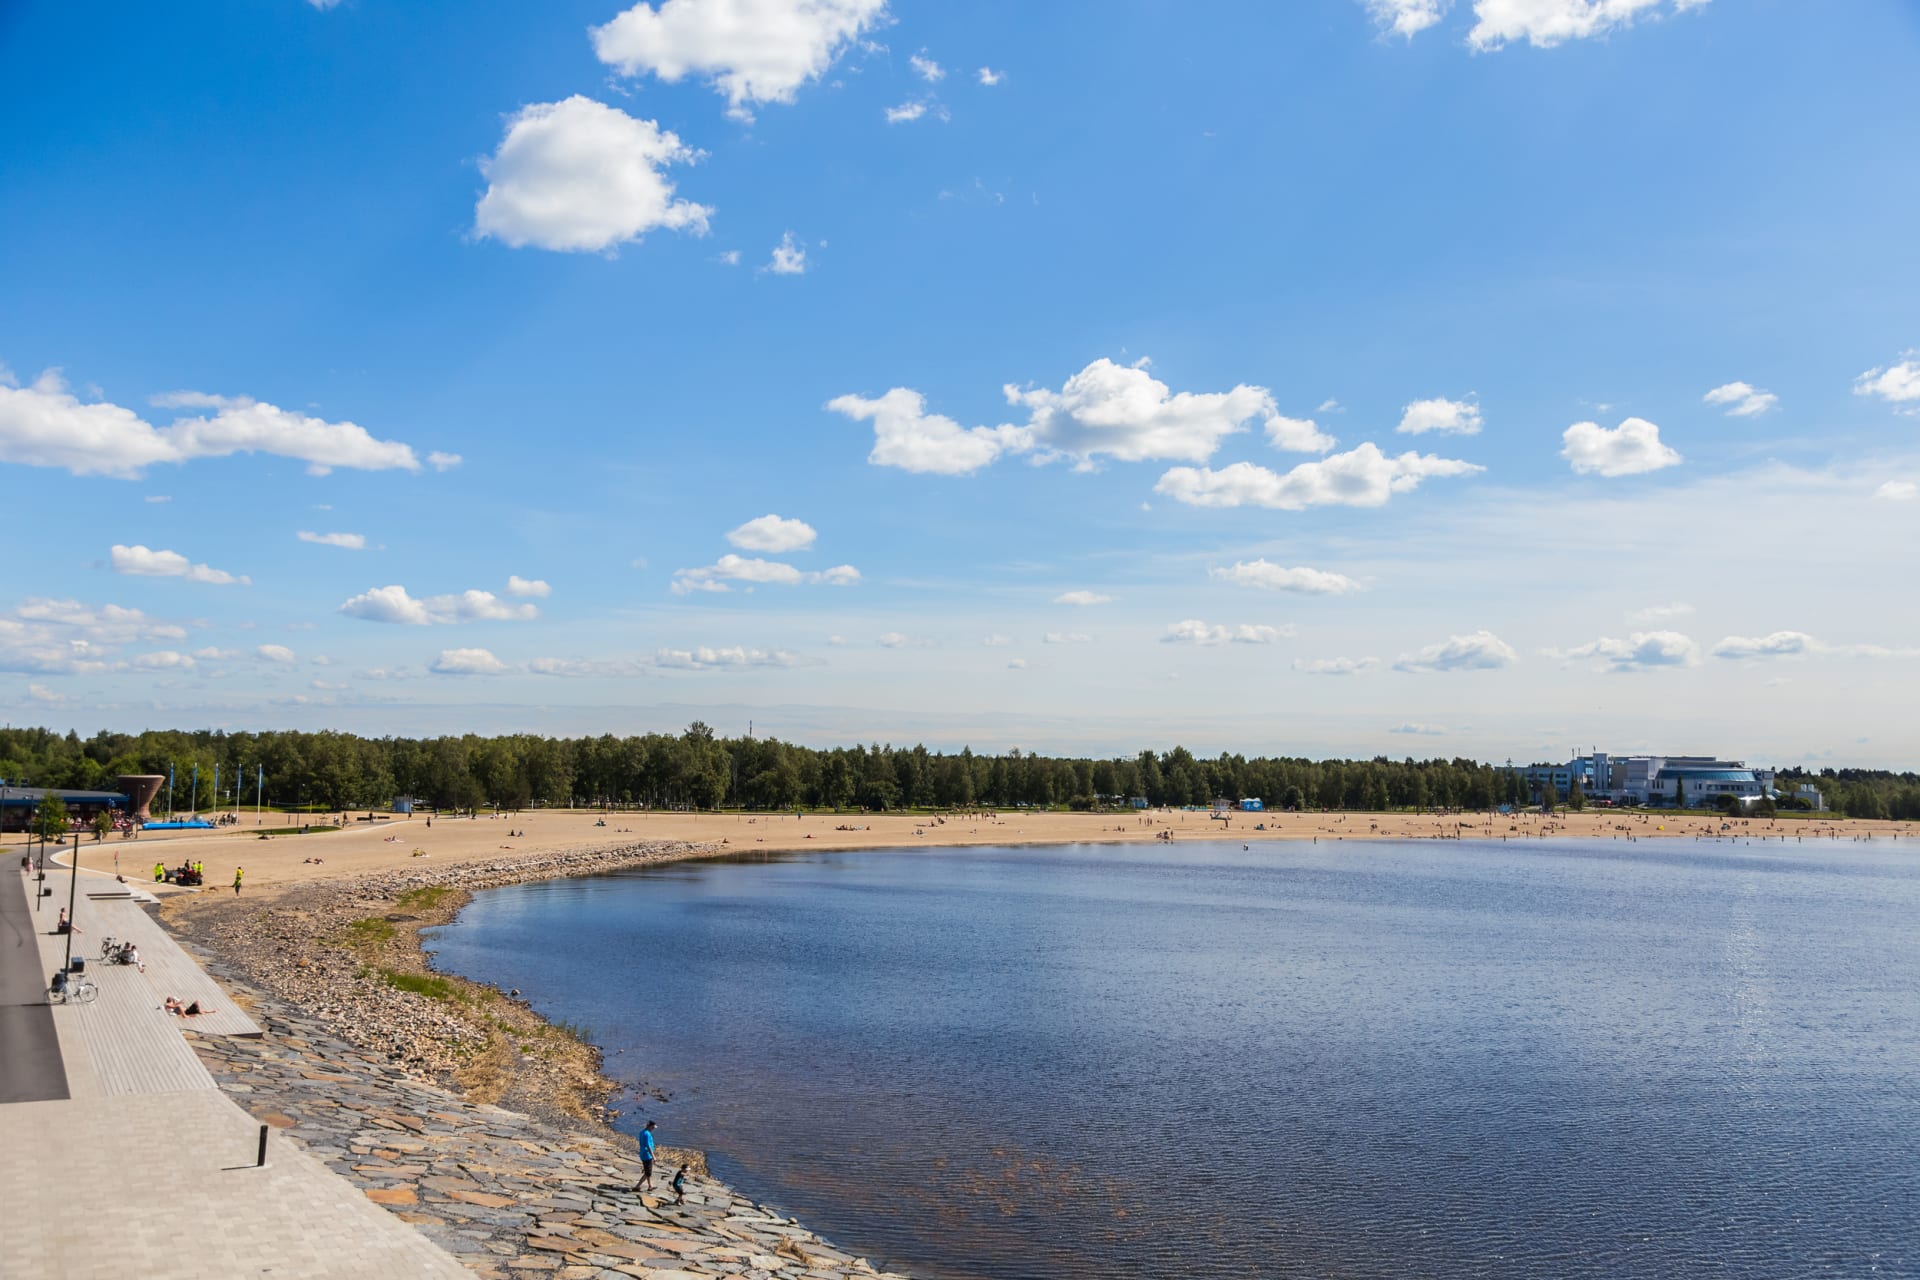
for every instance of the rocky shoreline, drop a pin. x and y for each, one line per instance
(452, 1103)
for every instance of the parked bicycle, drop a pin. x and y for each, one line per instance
(72, 988)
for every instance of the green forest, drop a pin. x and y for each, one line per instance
(699, 770)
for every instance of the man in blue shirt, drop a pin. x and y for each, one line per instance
(646, 1159)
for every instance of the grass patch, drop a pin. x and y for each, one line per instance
(369, 932)
(429, 985)
(425, 898)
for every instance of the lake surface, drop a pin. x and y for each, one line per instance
(1351, 1059)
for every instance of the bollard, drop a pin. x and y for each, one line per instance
(261, 1162)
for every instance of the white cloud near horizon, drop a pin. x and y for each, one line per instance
(140, 561)
(1272, 577)
(1082, 598)
(1656, 612)
(772, 533)
(1361, 477)
(345, 541)
(1476, 651)
(750, 51)
(1741, 400)
(45, 636)
(1194, 631)
(467, 662)
(1335, 666)
(1897, 491)
(393, 604)
(1897, 383)
(1449, 417)
(1630, 449)
(528, 588)
(278, 653)
(44, 425)
(1641, 650)
(756, 571)
(578, 176)
(1066, 637)
(1778, 644)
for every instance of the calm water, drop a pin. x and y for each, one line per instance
(1446, 1059)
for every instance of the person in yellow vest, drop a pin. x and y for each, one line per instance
(159, 872)
(236, 882)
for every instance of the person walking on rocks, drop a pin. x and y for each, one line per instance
(236, 881)
(647, 1150)
(680, 1186)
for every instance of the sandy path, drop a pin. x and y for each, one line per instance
(389, 844)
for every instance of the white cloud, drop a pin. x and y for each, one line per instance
(275, 653)
(1778, 644)
(908, 112)
(467, 662)
(1742, 401)
(1477, 651)
(580, 176)
(1067, 637)
(1898, 491)
(1418, 729)
(752, 51)
(40, 693)
(927, 69)
(143, 562)
(443, 461)
(773, 533)
(906, 436)
(1449, 417)
(213, 653)
(1361, 477)
(534, 588)
(901, 640)
(164, 660)
(1335, 666)
(1124, 412)
(1082, 598)
(703, 658)
(997, 641)
(1641, 649)
(989, 77)
(1546, 23)
(393, 604)
(1016, 664)
(1656, 612)
(347, 541)
(1272, 577)
(1630, 449)
(789, 257)
(1406, 17)
(45, 425)
(752, 569)
(1194, 631)
(1895, 383)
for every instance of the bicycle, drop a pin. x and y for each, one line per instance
(109, 947)
(77, 988)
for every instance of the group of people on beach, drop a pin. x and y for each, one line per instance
(648, 1149)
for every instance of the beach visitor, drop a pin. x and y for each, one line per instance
(159, 872)
(680, 1186)
(236, 881)
(647, 1149)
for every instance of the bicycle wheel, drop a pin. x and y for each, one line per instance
(85, 992)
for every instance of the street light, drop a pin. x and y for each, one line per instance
(73, 890)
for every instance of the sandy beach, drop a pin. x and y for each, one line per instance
(396, 843)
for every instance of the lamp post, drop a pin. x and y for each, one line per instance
(73, 891)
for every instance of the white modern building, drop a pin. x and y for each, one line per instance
(1692, 781)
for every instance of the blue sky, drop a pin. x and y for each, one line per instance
(1491, 377)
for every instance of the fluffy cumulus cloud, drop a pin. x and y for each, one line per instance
(1546, 23)
(581, 176)
(1897, 383)
(1194, 631)
(143, 562)
(906, 436)
(1082, 598)
(164, 660)
(527, 588)
(1641, 650)
(927, 69)
(45, 425)
(1067, 637)
(1361, 477)
(467, 662)
(774, 534)
(1897, 491)
(1335, 666)
(1106, 410)
(66, 637)
(345, 541)
(789, 257)
(1780, 644)
(756, 571)
(1630, 449)
(1449, 417)
(394, 604)
(1741, 400)
(1406, 17)
(751, 51)
(1274, 577)
(1477, 651)
(704, 658)
(278, 653)
(989, 77)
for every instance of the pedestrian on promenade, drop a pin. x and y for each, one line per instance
(159, 872)
(647, 1149)
(236, 881)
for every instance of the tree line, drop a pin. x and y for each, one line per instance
(697, 769)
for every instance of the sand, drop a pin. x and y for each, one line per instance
(390, 843)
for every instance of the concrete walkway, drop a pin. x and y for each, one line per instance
(119, 1157)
